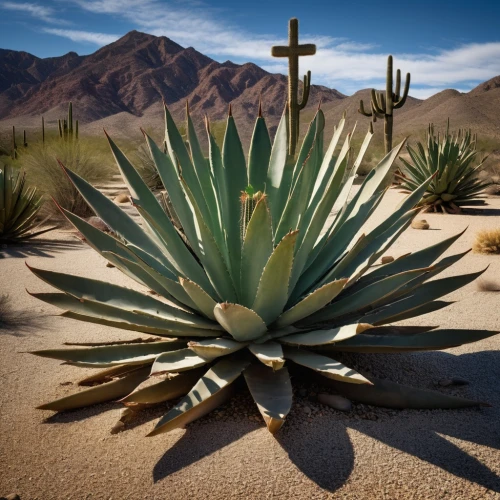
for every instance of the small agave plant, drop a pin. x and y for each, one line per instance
(19, 206)
(452, 159)
(263, 279)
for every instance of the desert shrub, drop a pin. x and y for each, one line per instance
(487, 241)
(453, 161)
(85, 157)
(147, 169)
(19, 206)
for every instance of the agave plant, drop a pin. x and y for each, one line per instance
(19, 206)
(452, 159)
(266, 281)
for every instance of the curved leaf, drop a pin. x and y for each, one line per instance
(322, 337)
(242, 323)
(272, 293)
(269, 353)
(109, 391)
(211, 390)
(272, 392)
(326, 366)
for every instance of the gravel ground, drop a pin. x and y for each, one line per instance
(366, 453)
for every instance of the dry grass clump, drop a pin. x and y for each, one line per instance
(85, 157)
(487, 241)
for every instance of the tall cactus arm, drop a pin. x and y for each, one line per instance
(307, 88)
(388, 88)
(378, 102)
(375, 113)
(361, 109)
(402, 100)
(397, 90)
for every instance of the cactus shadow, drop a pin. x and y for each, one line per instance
(199, 441)
(38, 248)
(321, 450)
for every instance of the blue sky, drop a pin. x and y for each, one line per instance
(442, 43)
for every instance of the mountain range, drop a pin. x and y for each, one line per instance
(121, 86)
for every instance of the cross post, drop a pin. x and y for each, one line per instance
(293, 51)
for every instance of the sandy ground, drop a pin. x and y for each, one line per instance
(367, 453)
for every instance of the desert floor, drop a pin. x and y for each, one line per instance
(368, 453)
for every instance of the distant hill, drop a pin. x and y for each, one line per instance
(121, 86)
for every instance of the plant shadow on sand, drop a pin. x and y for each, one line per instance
(322, 449)
(38, 248)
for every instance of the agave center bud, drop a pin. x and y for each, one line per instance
(248, 202)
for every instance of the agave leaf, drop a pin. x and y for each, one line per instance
(140, 192)
(329, 162)
(203, 302)
(204, 176)
(333, 248)
(116, 218)
(403, 309)
(314, 219)
(109, 391)
(210, 391)
(212, 259)
(323, 337)
(94, 312)
(171, 181)
(392, 395)
(365, 297)
(152, 278)
(425, 341)
(299, 196)
(272, 293)
(272, 392)
(326, 366)
(242, 323)
(257, 248)
(279, 177)
(177, 361)
(183, 260)
(99, 357)
(236, 181)
(419, 297)
(108, 374)
(314, 129)
(160, 388)
(417, 260)
(269, 353)
(120, 297)
(177, 151)
(312, 303)
(259, 155)
(214, 348)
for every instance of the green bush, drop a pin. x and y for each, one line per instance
(85, 156)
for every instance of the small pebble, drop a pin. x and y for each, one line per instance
(446, 382)
(387, 259)
(108, 264)
(420, 224)
(334, 401)
(121, 198)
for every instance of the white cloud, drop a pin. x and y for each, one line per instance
(43, 13)
(339, 63)
(83, 36)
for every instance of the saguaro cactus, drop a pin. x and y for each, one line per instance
(43, 130)
(293, 50)
(383, 107)
(66, 130)
(14, 145)
(25, 141)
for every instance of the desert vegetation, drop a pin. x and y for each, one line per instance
(20, 205)
(253, 296)
(452, 160)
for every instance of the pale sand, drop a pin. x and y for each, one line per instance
(367, 453)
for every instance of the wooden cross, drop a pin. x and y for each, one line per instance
(293, 50)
